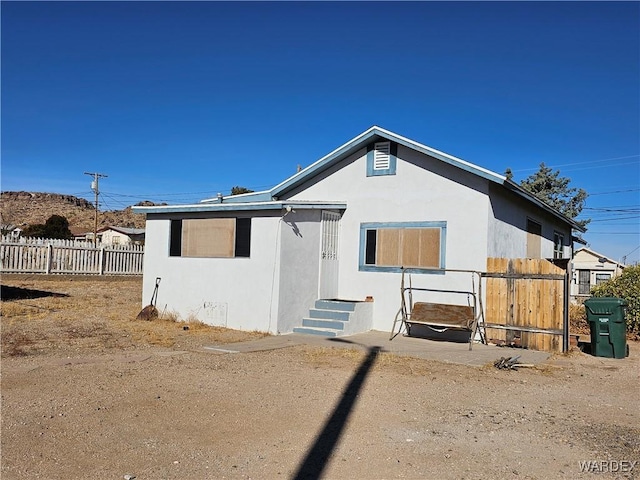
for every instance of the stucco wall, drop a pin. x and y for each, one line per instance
(274, 288)
(233, 292)
(299, 255)
(508, 227)
(438, 193)
(108, 237)
(586, 260)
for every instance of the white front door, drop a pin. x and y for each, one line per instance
(330, 235)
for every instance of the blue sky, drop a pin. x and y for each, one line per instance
(176, 101)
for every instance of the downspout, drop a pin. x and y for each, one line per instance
(565, 314)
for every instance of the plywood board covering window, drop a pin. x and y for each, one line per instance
(208, 237)
(388, 247)
(414, 246)
(534, 239)
(408, 247)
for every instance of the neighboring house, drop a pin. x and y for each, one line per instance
(341, 229)
(118, 235)
(80, 234)
(11, 231)
(590, 268)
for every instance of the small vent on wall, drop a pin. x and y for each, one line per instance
(382, 156)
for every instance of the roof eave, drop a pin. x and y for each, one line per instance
(517, 189)
(361, 141)
(325, 162)
(262, 196)
(268, 199)
(246, 206)
(599, 255)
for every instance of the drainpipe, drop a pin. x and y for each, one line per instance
(565, 314)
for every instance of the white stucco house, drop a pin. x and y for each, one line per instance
(589, 268)
(113, 235)
(341, 229)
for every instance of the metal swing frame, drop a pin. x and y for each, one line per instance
(406, 317)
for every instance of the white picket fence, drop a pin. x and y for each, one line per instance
(52, 256)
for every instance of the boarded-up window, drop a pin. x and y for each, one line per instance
(534, 238)
(388, 247)
(416, 247)
(211, 237)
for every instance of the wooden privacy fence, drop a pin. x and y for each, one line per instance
(69, 257)
(526, 304)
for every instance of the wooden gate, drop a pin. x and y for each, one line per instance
(526, 303)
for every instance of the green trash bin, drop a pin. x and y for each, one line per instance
(608, 328)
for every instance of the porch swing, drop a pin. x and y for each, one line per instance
(440, 317)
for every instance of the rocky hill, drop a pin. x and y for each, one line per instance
(29, 208)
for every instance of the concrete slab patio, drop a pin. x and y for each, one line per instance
(443, 351)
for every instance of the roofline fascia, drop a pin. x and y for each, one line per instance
(268, 199)
(261, 196)
(308, 172)
(514, 187)
(231, 207)
(360, 140)
(445, 157)
(577, 239)
(320, 164)
(599, 255)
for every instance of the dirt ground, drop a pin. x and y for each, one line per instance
(88, 392)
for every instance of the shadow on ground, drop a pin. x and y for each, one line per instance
(18, 293)
(318, 455)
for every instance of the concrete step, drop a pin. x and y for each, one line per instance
(342, 305)
(323, 323)
(329, 314)
(316, 331)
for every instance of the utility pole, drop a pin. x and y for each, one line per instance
(96, 190)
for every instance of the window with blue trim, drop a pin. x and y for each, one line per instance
(381, 158)
(390, 246)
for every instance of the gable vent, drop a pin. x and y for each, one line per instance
(382, 156)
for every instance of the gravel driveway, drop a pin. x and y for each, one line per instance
(89, 393)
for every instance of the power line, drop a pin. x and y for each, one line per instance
(612, 211)
(192, 194)
(142, 195)
(615, 191)
(582, 163)
(624, 224)
(625, 256)
(600, 166)
(116, 201)
(632, 205)
(612, 218)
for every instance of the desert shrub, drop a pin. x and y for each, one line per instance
(578, 320)
(627, 287)
(56, 226)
